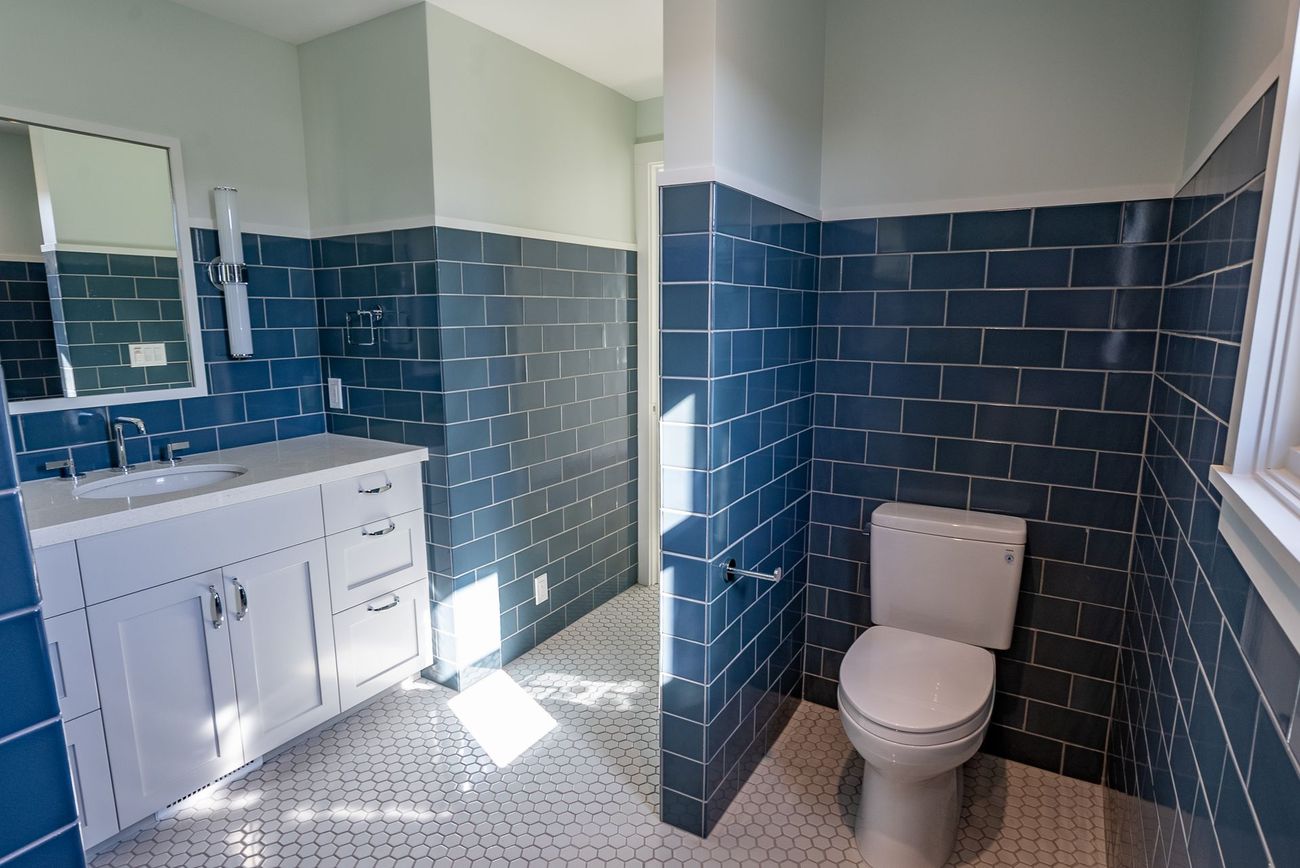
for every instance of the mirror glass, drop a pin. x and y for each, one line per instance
(90, 275)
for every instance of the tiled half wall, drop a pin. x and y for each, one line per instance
(1203, 754)
(514, 361)
(739, 312)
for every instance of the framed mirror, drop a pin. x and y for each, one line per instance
(98, 304)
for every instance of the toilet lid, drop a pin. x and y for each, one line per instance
(913, 683)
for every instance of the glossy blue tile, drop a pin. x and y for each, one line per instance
(990, 230)
(1075, 225)
(1029, 268)
(890, 271)
(685, 209)
(912, 234)
(1137, 265)
(36, 789)
(842, 237)
(24, 671)
(1023, 347)
(685, 258)
(986, 308)
(948, 270)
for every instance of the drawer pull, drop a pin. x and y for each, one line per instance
(386, 607)
(392, 526)
(218, 610)
(380, 490)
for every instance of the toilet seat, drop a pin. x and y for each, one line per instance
(910, 688)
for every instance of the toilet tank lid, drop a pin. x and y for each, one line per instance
(953, 523)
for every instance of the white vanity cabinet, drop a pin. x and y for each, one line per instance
(278, 609)
(190, 644)
(167, 683)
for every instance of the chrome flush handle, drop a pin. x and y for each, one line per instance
(218, 610)
(386, 607)
(242, 594)
(392, 526)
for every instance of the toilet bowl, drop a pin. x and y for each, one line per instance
(916, 690)
(916, 708)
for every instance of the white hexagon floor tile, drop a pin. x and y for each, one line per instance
(403, 782)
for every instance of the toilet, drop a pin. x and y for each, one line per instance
(916, 689)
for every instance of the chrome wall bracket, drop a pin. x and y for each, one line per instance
(734, 572)
(365, 320)
(221, 272)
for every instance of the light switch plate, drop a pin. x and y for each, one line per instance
(540, 592)
(336, 393)
(147, 355)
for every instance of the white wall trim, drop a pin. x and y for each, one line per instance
(1003, 203)
(251, 228)
(743, 183)
(648, 160)
(156, 252)
(526, 232)
(1272, 73)
(23, 257)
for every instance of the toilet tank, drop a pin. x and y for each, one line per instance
(951, 573)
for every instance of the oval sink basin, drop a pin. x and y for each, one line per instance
(164, 480)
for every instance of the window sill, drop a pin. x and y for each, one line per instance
(1260, 520)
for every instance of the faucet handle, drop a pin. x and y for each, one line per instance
(170, 450)
(67, 465)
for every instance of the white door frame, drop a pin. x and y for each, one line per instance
(648, 159)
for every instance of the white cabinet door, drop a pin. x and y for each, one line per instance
(91, 782)
(382, 641)
(283, 643)
(68, 640)
(167, 687)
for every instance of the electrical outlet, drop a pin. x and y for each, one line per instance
(540, 592)
(336, 393)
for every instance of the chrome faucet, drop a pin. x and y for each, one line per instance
(119, 439)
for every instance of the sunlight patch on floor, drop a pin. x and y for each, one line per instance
(502, 717)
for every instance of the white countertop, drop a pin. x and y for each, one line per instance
(55, 514)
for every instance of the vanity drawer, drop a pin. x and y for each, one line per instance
(125, 561)
(382, 641)
(376, 558)
(60, 579)
(374, 497)
(92, 782)
(68, 639)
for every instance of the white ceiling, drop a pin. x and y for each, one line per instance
(619, 43)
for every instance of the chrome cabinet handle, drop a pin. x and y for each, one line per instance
(392, 526)
(243, 599)
(380, 490)
(385, 608)
(218, 610)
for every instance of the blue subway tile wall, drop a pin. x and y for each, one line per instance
(998, 361)
(514, 360)
(276, 395)
(102, 303)
(36, 798)
(739, 314)
(1201, 771)
(27, 351)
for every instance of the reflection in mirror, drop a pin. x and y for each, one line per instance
(90, 293)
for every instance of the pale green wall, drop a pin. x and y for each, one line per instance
(1236, 43)
(650, 120)
(98, 193)
(365, 96)
(229, 95)
(929, 103)
(521, 141)
(20, 222)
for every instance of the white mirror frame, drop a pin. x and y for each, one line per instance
(189, 288)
